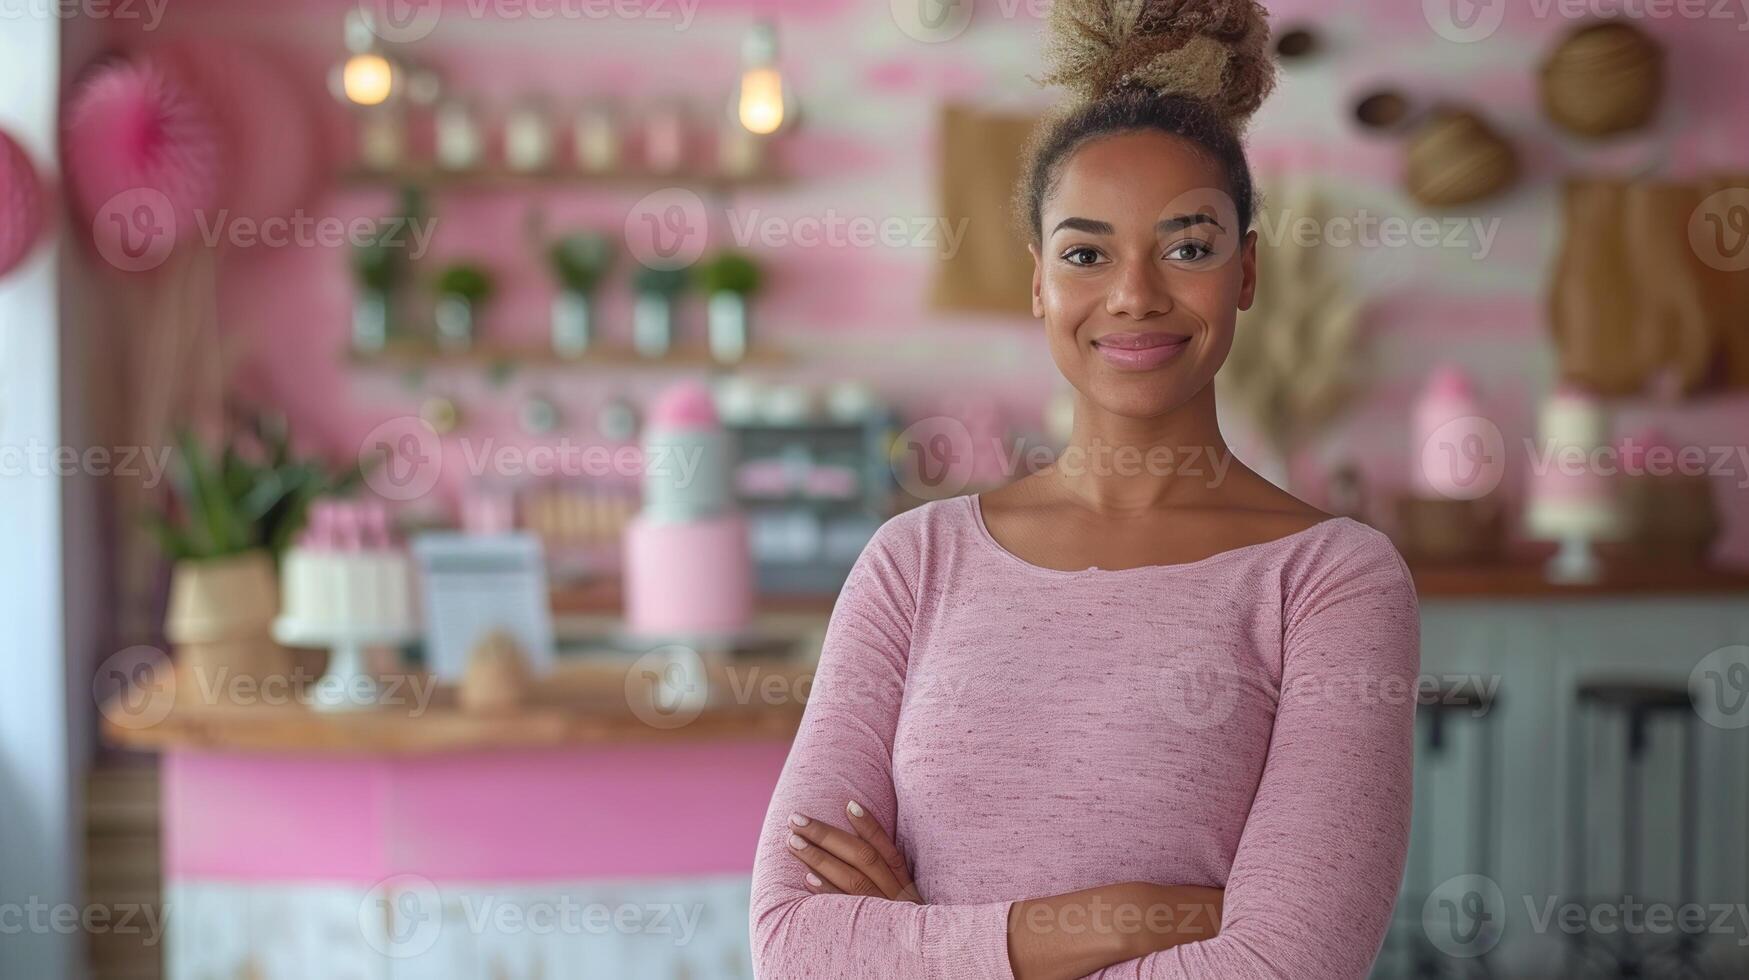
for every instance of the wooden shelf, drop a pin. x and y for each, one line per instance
(586, 701)
(403, 355)
(493, 179)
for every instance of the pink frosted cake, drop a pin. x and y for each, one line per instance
(688, 565)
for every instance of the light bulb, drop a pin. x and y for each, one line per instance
(367, 79)
(761, 105)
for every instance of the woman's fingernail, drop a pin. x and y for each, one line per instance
(814, 879)
(855, 808)
(798, 820)
(795, 841)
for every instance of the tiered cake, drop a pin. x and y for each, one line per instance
(688, 566)
(1572, 499)
(345, 576)
(1572, 496)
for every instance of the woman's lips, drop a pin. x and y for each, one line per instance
(1140, 351)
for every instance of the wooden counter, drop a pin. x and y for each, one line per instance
(1526, 580)
(584, 702)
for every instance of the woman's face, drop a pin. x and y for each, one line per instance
(1141, 272)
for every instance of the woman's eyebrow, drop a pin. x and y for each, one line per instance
(1167, 226)
(1087, 225)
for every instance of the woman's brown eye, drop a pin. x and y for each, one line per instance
(1189, 251)
(1081, 256)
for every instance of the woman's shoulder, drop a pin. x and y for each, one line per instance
(916, 530)
(1341, 557)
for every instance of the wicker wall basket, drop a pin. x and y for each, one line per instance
(1604, 79)
(1456, 158)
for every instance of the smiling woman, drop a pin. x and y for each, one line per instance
(1124, 720)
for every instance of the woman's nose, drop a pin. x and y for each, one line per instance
(1138, 290)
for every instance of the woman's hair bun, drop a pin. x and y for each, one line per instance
(1216, 51)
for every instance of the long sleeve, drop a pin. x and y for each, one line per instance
(843, 751)
(1316, 874)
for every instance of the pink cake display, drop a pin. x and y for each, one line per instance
(688, 564)
(1452, 438)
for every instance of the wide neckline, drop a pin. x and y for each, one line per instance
(974, 502)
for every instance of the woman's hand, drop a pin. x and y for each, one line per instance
(842, 863)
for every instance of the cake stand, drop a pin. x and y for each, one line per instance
(347, 686)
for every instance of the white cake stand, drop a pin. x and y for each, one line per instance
(347, 686)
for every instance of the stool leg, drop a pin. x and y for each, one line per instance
(1576, 817)
(1485, 823)
(1629, 953)
(1690, 829)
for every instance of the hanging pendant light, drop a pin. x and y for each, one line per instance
(368, 76)
(763, 103)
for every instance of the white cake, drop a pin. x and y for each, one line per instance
(327, 592)
(1571, 497)
(345, 580)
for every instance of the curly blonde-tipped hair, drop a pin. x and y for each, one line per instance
(1215, 51)
(1196, 69)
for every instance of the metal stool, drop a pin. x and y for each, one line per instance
(1433, 717)
(1638, 701)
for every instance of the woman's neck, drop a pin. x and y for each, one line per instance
(1115, 465)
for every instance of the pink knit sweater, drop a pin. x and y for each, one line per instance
(1244, 721)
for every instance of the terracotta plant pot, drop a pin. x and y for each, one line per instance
(220, 620)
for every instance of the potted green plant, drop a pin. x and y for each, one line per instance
(380, 266)
(231, 510)
(462, 289)
(579, 262)
(728, 281)
(653, 310)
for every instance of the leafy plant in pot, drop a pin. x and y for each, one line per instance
(653, 310)
(462, 289)
(231, 510)
(729, 280)
(579, 262)
(380, 265)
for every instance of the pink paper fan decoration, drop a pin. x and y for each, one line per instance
(133, 134)
(262, 117)
(21, 204)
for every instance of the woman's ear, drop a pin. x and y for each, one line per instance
(1247, 263)
(1038, 274)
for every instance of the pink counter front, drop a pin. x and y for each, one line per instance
(612, 861)
(571, 838)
